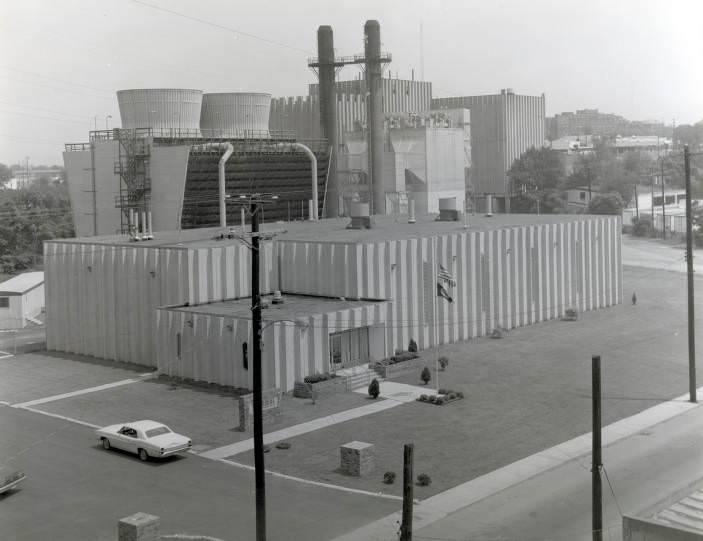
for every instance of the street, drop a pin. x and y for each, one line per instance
(75, 490)
(556, 505)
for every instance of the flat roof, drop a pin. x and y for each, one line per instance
(294, 307)
(386, 227)
(22, 283)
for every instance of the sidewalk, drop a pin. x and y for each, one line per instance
(500, 504)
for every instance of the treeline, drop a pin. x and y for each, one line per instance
(29, 216)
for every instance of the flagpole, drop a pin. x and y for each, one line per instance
(436, 317)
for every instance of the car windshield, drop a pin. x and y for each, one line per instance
(157, 431)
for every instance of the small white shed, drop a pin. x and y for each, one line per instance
(21, 299)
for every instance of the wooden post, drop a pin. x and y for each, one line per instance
(406, 527)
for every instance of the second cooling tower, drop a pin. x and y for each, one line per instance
(235, 114)
(161, 109)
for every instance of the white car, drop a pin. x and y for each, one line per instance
(10, 478)
(144, 438)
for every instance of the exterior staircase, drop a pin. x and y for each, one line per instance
(34, 321)
(358, 376)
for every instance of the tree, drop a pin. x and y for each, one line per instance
(534, 175)
(425, 375)
(606, 203)
(5, 173)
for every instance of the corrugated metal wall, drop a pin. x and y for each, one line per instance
(101, 299)
(505, 278)
(208, 347)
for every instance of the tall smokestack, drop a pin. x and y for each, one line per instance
(328, 113)
(374, 112)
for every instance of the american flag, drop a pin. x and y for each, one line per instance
(445, 276)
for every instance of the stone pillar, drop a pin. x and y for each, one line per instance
(357, 458)
(139, 527)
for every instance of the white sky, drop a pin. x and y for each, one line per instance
(61, 61)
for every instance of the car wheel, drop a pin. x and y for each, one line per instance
(106, 444)
(143, 455)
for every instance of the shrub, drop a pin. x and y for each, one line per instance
(433, 398)
(439, 401)
(389, 477)
(318, 377)
(442, 391)
(451, 396)
(374, 388)
(423, 398)
(424, 480)
(412, 346)
(403, 356)
(283, 445)
(443, 362)
(425, 375)
(459, 394)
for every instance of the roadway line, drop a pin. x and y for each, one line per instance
(83, 391)
(307, 481)
(461, 496)
(302, 428)
(57, 416)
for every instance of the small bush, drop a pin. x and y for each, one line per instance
(459, 394)
(374, 388)
(442, 391)
(451, 396)
(317, 378)
(403, 356)
(423, 398)
(425, 375)
(443, 362)
(389, 477)
(424, 480)
(432, 398)
(283, 445)
(439, 401)
(412, 346)
(398, 352)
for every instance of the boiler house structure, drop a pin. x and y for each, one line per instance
(181, 302)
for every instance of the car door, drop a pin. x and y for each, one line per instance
(128, 439)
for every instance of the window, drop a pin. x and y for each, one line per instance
(178, 345)
(4, 302)
(582, 196)
(245, 356)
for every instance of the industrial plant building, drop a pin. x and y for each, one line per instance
(503, 126)
(162, 165)
(180, 302)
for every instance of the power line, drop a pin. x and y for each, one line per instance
(223, 27)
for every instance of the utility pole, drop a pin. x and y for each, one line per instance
(637, 205)
(259, 468)
(255, 203)
(689, 268)
(663, 199)
(597, 526)
(406, 527)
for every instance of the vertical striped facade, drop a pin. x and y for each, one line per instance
(101, 299)
(208, 347)
(506, 278)
(140, 302)
(503, 126)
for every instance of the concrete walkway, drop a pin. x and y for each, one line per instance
(394, 394)
(462, 496)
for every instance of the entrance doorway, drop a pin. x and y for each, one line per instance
(349, 348)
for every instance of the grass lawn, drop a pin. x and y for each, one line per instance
(523, 393)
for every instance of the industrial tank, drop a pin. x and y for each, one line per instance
(235, 114)
(165, 110)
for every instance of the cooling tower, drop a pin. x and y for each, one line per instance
(235, 114)
(165, 109)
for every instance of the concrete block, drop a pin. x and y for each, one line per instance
(357, 458)
(139, 527)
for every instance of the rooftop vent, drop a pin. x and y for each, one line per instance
(361, 218)
(447, 210)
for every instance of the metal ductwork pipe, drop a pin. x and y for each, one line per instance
(374, 112)
(313, 165)
(328, 112)
(229, 149)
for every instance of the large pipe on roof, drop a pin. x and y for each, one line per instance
(229, 149)
(328, 112)
(374, 112)
(313, 166)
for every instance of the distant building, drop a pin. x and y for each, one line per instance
(503, 126)
(21, 300)
(653, 145)
(578, 199)
(593, 122)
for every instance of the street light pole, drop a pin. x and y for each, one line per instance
(661, 160)
(108, 117)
